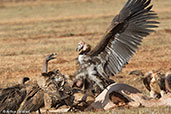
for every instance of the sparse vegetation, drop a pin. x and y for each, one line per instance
(31, 30)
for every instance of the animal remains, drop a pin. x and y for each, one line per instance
(126, 95)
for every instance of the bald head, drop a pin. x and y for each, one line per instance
(83, 47)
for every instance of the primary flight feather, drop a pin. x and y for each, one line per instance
(134, 22)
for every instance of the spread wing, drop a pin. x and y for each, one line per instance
(124, 35)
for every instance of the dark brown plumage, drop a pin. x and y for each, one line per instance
(168, 82)
(146, 81)
(118, 98)
(12, 97)
(50, 90)
(56, 87)
(35, 93)
(34, 99)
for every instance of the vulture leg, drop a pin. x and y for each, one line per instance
(39, 111)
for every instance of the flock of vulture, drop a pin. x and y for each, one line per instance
(91, 86)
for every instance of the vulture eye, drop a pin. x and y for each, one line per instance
(80, 44)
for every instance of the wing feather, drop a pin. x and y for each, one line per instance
(124, 35)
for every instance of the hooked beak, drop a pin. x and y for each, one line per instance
(79, 48)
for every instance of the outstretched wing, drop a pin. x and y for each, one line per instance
(124, 35)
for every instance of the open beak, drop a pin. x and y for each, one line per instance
(79, 48)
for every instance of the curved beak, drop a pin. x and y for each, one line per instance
(80, 47)
(77, 49)
(51, 56)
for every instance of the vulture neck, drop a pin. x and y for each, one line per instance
(82, 58)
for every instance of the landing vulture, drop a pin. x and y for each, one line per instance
(134, 22)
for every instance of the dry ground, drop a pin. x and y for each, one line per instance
(31, 30)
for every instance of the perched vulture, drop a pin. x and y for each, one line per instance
(57, 92)
(12, 97)
(51, 90)
(112, 53)
(35, 94)
(156, 82)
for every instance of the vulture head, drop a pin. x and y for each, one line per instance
(23, 80)
(83, 47)
(154, 77)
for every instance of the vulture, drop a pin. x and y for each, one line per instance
(12, 97)
(56, 89)
(35, 96)
(50, 91)
(33, 100)
(121, 40)
(157, 83)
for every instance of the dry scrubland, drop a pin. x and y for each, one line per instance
(31, 30)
